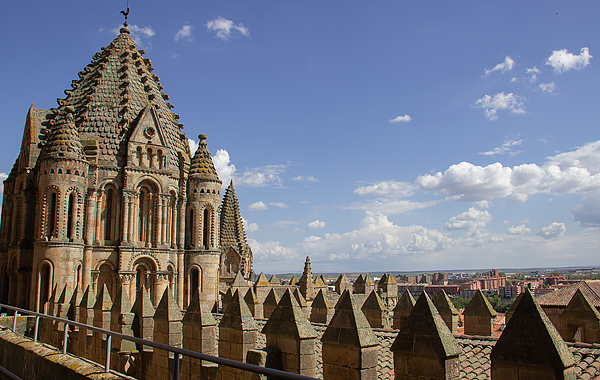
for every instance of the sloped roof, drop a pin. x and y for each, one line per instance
(63, 140)
(562, 297)
(111, 93)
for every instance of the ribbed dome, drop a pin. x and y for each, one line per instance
(202, 163)
(63, 140)
(112, 92)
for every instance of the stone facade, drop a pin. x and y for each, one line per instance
(105, 192)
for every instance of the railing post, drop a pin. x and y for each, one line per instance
(14, 327)
(176, 367)
(108, 348)
(36, 328)
(65, 335)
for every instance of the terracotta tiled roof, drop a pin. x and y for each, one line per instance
(562, 297)
(110, 94)
(475, 360)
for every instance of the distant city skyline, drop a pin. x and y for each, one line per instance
(368, 136)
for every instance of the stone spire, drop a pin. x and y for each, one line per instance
(202, 164)
(306, 282)
(447, 311)
(232, 226)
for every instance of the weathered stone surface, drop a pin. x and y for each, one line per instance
(580, 321)
(479, 316)
(531, 345)
(321, 309)
(403, 309)
(447, 311)
(375, 311)
(342, 283)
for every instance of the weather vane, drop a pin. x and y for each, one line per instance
(126, 14)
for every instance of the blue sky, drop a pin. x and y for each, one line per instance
(384, 135)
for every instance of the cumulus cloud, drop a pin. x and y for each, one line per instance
(184, 32)
(269, 175)
(224, 168)
(387, 189)
(225, 28)
(574, 172)
(387, 206)
(588, 212)
(271, 250)
(258, 206)
(547, 87)
(515, 104)
(533, 74)
(278, 204)
(506, 148)
(302, 178)
(518, 230)
(563, 61)
(249, 227)
(401, 119)
(140, 35)
(505, 66)
(472, 219)
(193, 147)
(554, 230)
(315, 225)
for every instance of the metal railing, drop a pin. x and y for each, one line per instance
(178, 352)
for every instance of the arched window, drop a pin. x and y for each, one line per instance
(150, 158)
(190, 229)
(70, 207)
(52, 216)
(45, 277)
(108, 215)
(195, 283)
(141, 275)
(140, 156)
(77, 276)
(205, 229)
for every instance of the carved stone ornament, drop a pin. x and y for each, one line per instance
(149, 132)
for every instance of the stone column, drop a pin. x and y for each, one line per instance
(425, 347)
(530, 347)
(288, 330)
(237, 334)
(164, 221)
(173, 212)
(181, 223)
(90, 219)
(130, 221)
(180, 278)
(125, 217)
(99, 209)
(159, 221)
(149, 219)
(349, 345)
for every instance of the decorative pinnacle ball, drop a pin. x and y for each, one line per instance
(202, 136)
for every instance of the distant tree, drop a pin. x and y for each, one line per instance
(460, 303)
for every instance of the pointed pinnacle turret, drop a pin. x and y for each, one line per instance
(202, 164)
(63, 141)
(288, 319)
(167, 308)
(349, 326)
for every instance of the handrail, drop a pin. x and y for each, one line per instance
(178, 351)
(9, 374)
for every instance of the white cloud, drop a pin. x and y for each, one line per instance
(533, 74)
(249, 227)
(563, 61)
(554, 230)
(501, 101)
(514, 80)
(279, 204)
(376, 238)
(315, 225)
(506, 147)
(547, 87)
(224, 168)
(140, 35)
(469, 220)
(270, 250)
(262, 176)
(387, 189)
(3, 176)
(503, 67)
(224, 28)
(403, 119)
(193, 147)
(258, 206)
(518, 230)
(588, 212)
(575, 172)
(391, 206)
(302, 178)
(184, 32)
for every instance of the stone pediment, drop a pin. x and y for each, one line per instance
(147, 148)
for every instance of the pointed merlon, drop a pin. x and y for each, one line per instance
(167, 308)
(143, 307)
(274, 280)
(195, 315)
(349, 326)
(300, 299)
(239, 281)
(424, 324)
(294, 280)
(103, 301)
(444, 305)
(288, 319)
(480, 306)
(272, 298)
(262, 280)
(321, 301)
(237, 315)
(531, 339)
